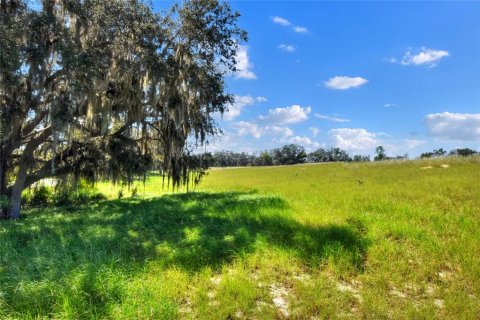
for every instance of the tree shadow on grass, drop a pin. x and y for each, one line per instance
(186, 231)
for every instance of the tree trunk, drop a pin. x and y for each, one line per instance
(16, 196)
(3, 173)
(25, 162)
(3, 176)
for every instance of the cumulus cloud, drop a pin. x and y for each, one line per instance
(275, 134)
(262, 99)
(425, 56)
(283, 132)
(331, 118)
(286, 135)
(454, 126)
(247, 128)
(344, 82)
(217, 143)
(288, 115)
(354, 140)
(271, 129)
(235, 109)
(244, 66)
(303, 141)
(315, 131)
(281, 21)
(286, 47)
(300, 29)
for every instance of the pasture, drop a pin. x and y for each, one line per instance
(389, 240)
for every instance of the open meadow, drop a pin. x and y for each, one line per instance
(388, 240)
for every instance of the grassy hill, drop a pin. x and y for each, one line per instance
(372, 240)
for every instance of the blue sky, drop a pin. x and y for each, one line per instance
(405, 75)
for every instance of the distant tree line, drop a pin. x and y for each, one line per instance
(295, 154)
(455, 152)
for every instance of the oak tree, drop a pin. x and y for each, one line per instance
(100, 89)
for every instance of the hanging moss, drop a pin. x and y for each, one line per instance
(105, 89)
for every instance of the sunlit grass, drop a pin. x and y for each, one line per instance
(371, 240)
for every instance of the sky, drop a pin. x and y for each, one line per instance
(355, 75)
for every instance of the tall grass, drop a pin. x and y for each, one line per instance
(371, 240)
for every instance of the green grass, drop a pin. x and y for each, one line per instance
(303, 242)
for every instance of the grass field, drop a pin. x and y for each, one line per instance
(394, 240)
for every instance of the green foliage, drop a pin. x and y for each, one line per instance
(64, 195)
(106, 89)
(134, 192)
(380, 154)
(40, 196)
(330, 155)
(266, 159)
(435, 153)
(4, 205)
(289, 154)
(76, 196)
(360, 158)
(463, 152)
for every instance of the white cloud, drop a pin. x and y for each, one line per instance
(271, 136)
(300, 29)
(244, 66)
(315, 131)
(384, 134)
(286, 135)
(390, 105)
(427, 57)
(344, 82)
(303, 141)
(400, 147)
(331, 118)
(286, 47)
(354, 140)
(217, 143)
(281, 21)
(262, 99)
(413, 143)
(247, 128)
(284, 132)
(454, 126)
(272, 128)
(288, 115)
(235, 109)
(230, 141)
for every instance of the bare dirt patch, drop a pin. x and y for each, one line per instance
(279, 295)
(352, 287)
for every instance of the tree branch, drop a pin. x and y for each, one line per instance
(29, 127)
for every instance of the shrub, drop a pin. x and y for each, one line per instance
(41, 196)
(4, 205)
(134, 192)
(64, 198)
(82, 193)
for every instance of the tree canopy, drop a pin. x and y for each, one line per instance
(103, 89)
